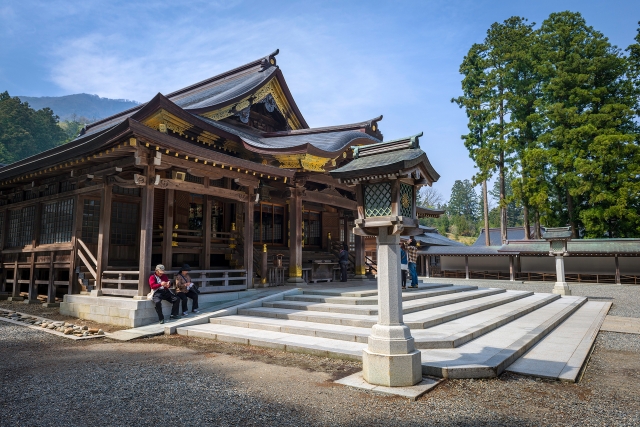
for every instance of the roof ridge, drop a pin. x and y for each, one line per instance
(349, 126)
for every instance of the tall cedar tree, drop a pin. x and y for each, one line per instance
(474, 100)
(24, 131)
(586, 106)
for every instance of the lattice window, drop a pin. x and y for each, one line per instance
(194, 179)
(31, 194)
(21, 226)
(406, 200)
(124, 223)
(57, 222)
(312, 228)
(67, 186)
(216, 183)
(377, 199)
(50, 190)
(126, 191)
(1, 224)
(90, 221)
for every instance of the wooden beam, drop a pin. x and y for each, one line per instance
(51, 287)
(328, 180)
(201, 189)
(33, 287)
(104, 233)
(329, 199)
(167, 227)
(295, 235)
(77, 234)
(65, 195)
(146, 230)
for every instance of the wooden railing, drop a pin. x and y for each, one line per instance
(88, 260)
(125, 282)
(193, 239)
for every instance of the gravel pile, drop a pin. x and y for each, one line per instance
(47, 381)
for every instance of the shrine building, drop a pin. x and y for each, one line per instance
(212, 175)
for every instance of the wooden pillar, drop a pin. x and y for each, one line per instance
(247, 235)
(33, 287)
(3, 238)
(360, 265)
(146, 230)
(15, 292)
(51, 287)
(618, 282)
(466, 267)
(511, 269)
(104, 234)
(295, 232)
(167, 228)
(205, 262)
(78, 210)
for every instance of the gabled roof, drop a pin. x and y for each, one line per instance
(387, 158)
(218, 92)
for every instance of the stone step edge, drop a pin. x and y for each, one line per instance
(206, 317)
(277, 344)
(460, 297)
(358, 294)
(283, 305)
(463, 337)
(362, 301)
(582, 351)
(496, 364)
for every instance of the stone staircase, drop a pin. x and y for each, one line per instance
(463, 331)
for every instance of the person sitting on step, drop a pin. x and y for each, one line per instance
(186, 289)
(159, 284)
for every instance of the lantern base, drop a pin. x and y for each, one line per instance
(397, 370)
(561, 288)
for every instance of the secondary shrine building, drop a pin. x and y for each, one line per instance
(211, 175)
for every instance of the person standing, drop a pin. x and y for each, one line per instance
(412, 252)
(343, 259)
(403, 265)
(186, 289)
(159, 284)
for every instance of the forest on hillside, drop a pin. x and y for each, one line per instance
(553, 118)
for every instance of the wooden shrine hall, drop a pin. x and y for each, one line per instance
(212, 175)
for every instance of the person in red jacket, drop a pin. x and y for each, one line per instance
(159, 284)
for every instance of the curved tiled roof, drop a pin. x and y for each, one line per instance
(332, 141)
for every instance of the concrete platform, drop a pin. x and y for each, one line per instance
(412, 393)
(624, 325)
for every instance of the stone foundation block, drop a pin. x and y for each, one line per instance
(398, 370)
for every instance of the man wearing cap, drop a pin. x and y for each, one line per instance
(159, 284)
(186, 289)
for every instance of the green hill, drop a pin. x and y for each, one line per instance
(79, 106)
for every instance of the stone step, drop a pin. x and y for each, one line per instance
(458, 332)
(443, 337)
(408, 307)
(489, 355)
(361, 291)
(373, 300)
(562, 354)
(279, 340)
(360, 316)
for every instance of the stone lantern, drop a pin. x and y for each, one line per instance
(558, 238)
(387, 177)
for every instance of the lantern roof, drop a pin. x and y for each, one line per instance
(390, 159)
(557, 233)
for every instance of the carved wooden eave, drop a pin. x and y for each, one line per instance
(302, 162)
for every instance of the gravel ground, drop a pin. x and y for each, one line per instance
(175, 380)
(626, 299)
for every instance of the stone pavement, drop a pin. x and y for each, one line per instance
(625, 325)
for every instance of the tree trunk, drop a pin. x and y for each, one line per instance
(572, 223)
(503, 207)
(485, 198)
(537, 225)
(525, 221)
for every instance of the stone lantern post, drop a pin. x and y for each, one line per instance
(558, 238)
(387, 177)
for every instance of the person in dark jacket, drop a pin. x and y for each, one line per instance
(343, 259)
(185, 289)
(404, 265)
(159, 284)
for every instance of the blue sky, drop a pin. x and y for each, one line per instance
(344, 61)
